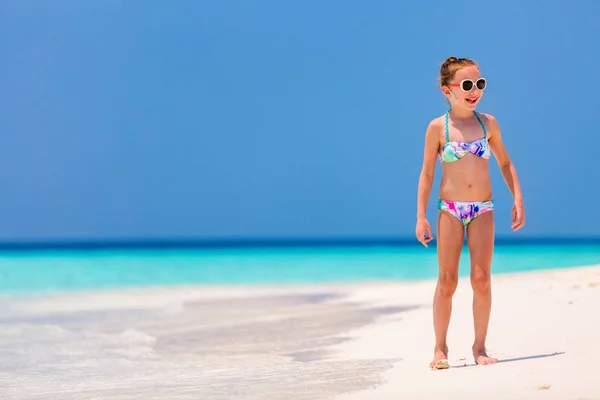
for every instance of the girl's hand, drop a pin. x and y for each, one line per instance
(518, 215)
(423, 231)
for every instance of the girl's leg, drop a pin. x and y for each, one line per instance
(450, 239)
(480, 236)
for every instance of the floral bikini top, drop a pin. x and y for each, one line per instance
(454, 151)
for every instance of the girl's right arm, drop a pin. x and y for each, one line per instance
(432, 146)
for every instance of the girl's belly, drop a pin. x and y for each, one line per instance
(466, 180)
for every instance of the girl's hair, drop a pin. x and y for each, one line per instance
(451, 65)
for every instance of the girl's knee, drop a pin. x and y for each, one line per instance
(480, 279)
(447, 283)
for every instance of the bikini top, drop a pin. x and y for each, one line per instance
(454, 151)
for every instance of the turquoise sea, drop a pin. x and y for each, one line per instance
(47, 270)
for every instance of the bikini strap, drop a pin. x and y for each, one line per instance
(481, 122)
(447, 135)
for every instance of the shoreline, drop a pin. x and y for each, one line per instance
(219, 289)
(345, 341)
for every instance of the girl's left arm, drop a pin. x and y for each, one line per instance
(507, 168)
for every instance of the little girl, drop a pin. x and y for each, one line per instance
(463, 140)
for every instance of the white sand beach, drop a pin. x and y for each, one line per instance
(343, 342)
(542, 330)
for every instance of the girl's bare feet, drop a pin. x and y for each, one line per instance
(440, 358)
(481, 357)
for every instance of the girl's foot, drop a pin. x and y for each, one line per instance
(440, 359)
(481, 357)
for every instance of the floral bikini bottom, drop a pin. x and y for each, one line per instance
(466, 211)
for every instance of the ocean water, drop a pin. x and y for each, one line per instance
(59, 270)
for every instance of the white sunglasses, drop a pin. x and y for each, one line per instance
(467, 85)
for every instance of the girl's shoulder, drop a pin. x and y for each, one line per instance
(490, 122)
(437, 122)
(487, 117)
(435, 126)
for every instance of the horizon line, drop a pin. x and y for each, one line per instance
(264, 242)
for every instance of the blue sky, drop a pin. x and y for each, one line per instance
(131, 119)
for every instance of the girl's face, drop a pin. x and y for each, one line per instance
(466, 89)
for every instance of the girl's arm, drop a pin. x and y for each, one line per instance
(432, 146)
(507, 168)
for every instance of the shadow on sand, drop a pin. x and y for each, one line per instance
(556, 353)
(514, 359)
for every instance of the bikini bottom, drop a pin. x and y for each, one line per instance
(466, 211)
